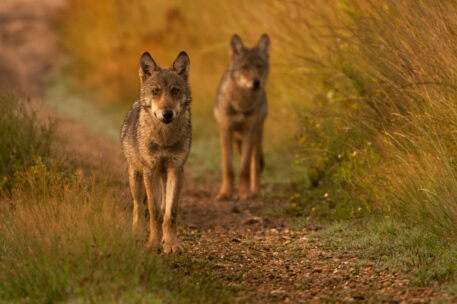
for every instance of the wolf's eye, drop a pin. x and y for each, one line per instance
(174, 91)
(260, 66)
(155, 91)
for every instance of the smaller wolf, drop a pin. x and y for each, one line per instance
(241, 109)
(156, 138)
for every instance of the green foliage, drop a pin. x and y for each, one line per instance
(23, 139)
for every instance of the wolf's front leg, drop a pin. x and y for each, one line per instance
(256, 163)
(246, 152)
(227, 168)
(170, 239)
(137, 191)
(152, 185)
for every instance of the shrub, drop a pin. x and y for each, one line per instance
(23, 138)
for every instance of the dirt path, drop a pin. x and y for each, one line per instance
(264, 258)
(269, 261)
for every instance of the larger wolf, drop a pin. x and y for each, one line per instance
(156, 138)
(241, 109)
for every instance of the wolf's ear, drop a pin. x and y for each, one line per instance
(264, 45)
(181, 65)
(147, 66)
(236, 45)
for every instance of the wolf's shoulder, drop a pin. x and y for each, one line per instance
(131, 119)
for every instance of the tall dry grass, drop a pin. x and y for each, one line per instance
(394, 67)
(67, 237)
(406, 58)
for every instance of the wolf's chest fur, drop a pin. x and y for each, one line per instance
(164, 145)
(151, 143)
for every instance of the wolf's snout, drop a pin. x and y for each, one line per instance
(167, 116)
(256, 84)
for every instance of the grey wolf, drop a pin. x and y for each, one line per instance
(241, 109)
(156, 138)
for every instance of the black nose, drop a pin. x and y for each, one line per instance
(167, 115)
(256, 84)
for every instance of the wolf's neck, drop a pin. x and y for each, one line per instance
(243, 99)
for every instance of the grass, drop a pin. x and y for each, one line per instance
(23, 139)
(424, 257)
(75, 236)
(65, 235)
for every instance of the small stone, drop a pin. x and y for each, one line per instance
(253, 220)
(278, 293)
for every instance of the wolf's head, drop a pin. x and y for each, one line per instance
(249, 66)
(164, 92)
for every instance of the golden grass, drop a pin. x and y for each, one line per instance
(67, 237)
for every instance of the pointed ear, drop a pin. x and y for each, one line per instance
(264, 45)
(147, 66)
(181, 65)
(236, 45)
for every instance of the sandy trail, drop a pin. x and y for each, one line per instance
(264, 257)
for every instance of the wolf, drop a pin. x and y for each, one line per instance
(156, 139)
(240, 109)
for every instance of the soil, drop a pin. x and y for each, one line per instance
(265, 258)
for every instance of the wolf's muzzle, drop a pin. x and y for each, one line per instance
(167, 116)
(256, 84)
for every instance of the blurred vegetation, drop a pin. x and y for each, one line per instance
(104, 40)
(362, 93)
(23, 139)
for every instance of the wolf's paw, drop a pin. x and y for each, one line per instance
(153, 244)
(245, 195)
(223, 196)
(138, 233)
(172, 246)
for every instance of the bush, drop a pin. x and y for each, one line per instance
(23, 138)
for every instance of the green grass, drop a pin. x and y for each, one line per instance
(425, 258)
